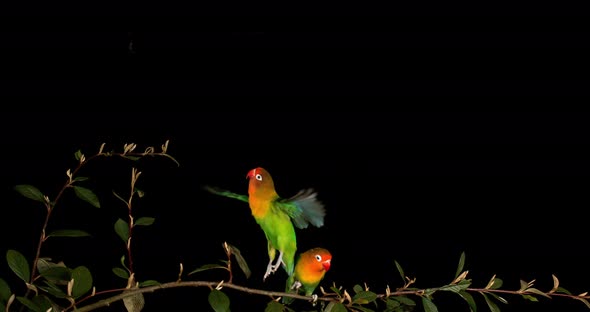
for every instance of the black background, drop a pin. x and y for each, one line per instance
(473, 150)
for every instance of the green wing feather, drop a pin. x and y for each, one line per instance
(303, 208)
(226, 193)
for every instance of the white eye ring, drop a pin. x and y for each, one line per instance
(259, 177)
(318, 257)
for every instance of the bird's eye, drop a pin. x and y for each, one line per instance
(318, 257)
(259, 177)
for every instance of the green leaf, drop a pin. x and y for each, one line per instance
(504, 301)
(392, 303)
(530, 298)
(57, 273)
(207, 267)
(497, 283)
(584, 301)
(493, 307)
(79, 179)
(82, 281)
(274, 306)
(336, 290)
(428, 305)
(241, 261)
(87, 195)
(335, 307)
(538, 292)
(454, 288)
(563, 290)
(18, 264)
(145, 221)
(429, 291)
(42, 302)
(219, 301)
(78, 154)
(55, 306)
(523, 285)
(122, 229)
(469, 299)
(363, 309)
(44, 264)
(121, 273)
(461, 264)
(404, 300)
(357, 288)
(29, 304)
(147, 283)
(123, 263)
(4, 291)
(364, 297)
(400, 270)
(53, 290)
(120, 198)
(68, 233)
(30, 192)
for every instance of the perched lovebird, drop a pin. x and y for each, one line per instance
(310, 269)
(276, 216)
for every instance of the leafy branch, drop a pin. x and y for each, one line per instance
(55, 287)
(45, 275)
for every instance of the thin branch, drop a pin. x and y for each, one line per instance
(526, 292)
(275, 294)
(127, 293)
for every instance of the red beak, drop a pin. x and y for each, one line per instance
(251, 173)
(326, 265)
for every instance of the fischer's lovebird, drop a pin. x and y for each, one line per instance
(277, 216)
(310, 269)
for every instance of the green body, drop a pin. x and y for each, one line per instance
(280, 235)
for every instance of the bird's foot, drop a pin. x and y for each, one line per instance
(267, 274)
(314, 299)
(269, 270)
(296, 285)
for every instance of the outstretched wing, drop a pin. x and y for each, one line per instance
(226, 193)
(303, 208)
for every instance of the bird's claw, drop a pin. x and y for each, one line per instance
(296, 285)
(269, 270)
(314, 299)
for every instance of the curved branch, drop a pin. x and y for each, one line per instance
(127, 293)
(211, 284)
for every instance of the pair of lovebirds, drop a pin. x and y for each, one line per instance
(278, 218)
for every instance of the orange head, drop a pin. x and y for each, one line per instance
(260, 180)
(316, 260)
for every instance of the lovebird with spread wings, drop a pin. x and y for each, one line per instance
(278, 216)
